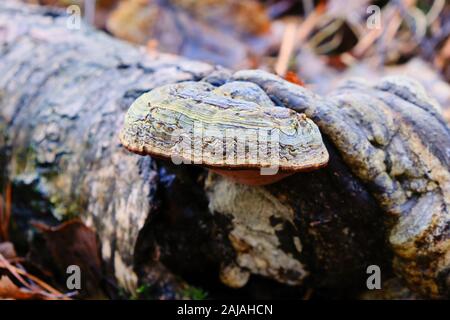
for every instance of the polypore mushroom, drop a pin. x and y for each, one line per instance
(235, 129)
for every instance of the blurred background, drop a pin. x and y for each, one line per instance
(319, 43)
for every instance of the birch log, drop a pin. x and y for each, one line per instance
(63, 93)
(63, 96)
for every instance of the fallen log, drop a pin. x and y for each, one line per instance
(63, 93)
(63, 96)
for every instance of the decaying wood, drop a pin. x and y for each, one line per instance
(63, 93)
(394, 138)
(63, 97)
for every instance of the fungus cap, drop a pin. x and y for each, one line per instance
(234, 129)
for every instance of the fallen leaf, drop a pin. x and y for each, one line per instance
(73, 243)
(336, 62)
(294, 78)
(7, 250)
(219, 31)
(8, 290)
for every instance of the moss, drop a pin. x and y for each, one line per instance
(66, 211)
(25, 157)
(195, 293)
(142, 292)
(147, 292)
(71, 213)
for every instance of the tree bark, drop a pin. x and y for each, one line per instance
(63, 96)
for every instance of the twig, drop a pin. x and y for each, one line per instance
(388, 14)
(329, 31)
(18, 273)
(392, 29)
(89, 11)
(435, 10)
(310, 22)
(294, 36)
(330, 45)
(287, 47)
(13, 270)
(42, 284)
(414, 18)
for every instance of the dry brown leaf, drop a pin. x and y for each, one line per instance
(294, 78)
(73, 243)
(214, 31)
(229, 14)
(7, 250)
(132, 20)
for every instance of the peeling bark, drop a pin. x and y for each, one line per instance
(394, 139)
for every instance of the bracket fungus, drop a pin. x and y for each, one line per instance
(234, 129)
